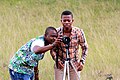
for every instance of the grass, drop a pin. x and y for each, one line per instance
(21, 20)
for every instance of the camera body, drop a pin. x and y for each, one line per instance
(65, 40)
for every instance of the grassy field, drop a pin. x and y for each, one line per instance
(21, 20)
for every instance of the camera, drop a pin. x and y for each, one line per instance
(65, 40)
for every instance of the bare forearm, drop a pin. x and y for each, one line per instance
(36, 73)
(38, 49)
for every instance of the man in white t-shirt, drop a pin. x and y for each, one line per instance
(24, 64)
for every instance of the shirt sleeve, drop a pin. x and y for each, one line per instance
(37, 43)
(84, 46)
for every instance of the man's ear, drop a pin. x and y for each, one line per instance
(61, 20)
(72, 20)
(45, 35)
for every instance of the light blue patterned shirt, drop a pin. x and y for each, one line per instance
(25, 59)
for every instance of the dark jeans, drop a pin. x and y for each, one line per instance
(20, 76)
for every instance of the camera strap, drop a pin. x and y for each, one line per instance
(57, 58)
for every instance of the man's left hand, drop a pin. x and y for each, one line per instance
(79, 66)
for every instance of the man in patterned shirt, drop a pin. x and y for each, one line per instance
(24, 61)
(77, 39)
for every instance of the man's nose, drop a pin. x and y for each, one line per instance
(66, 21)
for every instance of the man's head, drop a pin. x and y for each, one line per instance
(50, 35)
(67, 19)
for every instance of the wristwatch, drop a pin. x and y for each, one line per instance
(82, 62)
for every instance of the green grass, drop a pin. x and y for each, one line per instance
(21, 20)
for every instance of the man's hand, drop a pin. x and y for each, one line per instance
(57, 42)
(36, 76)
(60, 65)
(36, 73)
(79, 66)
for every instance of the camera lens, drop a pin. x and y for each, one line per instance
(66, 40)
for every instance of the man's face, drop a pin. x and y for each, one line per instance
(51, 36)
(67, 21)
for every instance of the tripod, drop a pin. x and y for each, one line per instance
(67, 63)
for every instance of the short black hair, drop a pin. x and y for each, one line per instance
(67, 12)
(48, 29)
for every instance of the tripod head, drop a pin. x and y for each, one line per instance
(66, 40)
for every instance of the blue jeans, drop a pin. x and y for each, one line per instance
(20, 76)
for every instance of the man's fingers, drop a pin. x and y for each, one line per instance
(60, 65)
(80, 67)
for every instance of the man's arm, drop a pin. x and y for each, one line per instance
(43, 49)
(38, 49)
(84, 47)
(36, 73)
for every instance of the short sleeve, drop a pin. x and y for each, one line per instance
(37, 42)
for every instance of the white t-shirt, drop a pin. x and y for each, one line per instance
(37, 42)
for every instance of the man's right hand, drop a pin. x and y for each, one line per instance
(57, 42)
(36, 77)
(60, 65)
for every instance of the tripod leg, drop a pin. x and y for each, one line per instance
(64, 70)
(68, 70)
(75, 70)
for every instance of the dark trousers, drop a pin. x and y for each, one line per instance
(19, 76)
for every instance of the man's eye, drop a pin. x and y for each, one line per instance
(66, 20)
(54, 36)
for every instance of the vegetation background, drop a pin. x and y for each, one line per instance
(21, 20)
